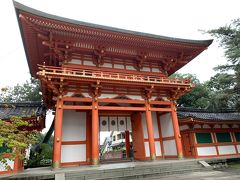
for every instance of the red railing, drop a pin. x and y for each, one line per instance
(95, 74)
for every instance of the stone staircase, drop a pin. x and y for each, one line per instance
(139, 171)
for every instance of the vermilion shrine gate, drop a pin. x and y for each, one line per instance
(92, 75)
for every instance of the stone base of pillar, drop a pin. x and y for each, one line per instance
(180, 156)
(56, 165)
(152, 157)
(95, 161)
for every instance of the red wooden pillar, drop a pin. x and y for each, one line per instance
(95, 130)
(150, 132)
(58, 133)
(127, 144)
(176, 129)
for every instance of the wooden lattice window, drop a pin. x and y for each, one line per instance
(203, 138)
(223, 137)
(237, 136)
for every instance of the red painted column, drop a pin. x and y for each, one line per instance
(150, 132)
(127, 144)
(95, 130)
(58, 134)
(176, 129)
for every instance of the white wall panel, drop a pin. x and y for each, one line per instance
(216, 126)
(158, 148)
(207, 151)
(104, 127)
(147, 151)
(113, 127)
(144, 125)
(107, 65)
(155, 70)
(74, 126)
(119, 66)
(108, 95)
(226, 149)
(238, 148)
(184, 127)
(122, 127)
(169, 147)
(225, 126)
(130, 68)
(75, 61)
(155, 125)
(197, 126)
(135, 97)
(206, 126)
(73, 153)
(9, 162)
(129, 125)
(88, 63)
(235, 126)
(166, 125)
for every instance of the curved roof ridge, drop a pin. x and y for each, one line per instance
(18, 6)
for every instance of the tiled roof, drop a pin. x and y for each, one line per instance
(24, 110)
(207, 115)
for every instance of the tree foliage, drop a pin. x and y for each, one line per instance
(29, 91)
(198, 97)
(15, 137)
(42, 157)
(229, 76)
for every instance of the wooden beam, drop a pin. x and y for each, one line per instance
(161, 109)
(119, 108)
(77, 99)
(126, 101)
(77, 107)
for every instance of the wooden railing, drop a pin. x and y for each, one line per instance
(94, 74)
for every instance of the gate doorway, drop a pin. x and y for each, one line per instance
(115, 138)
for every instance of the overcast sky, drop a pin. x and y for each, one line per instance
(182, 19)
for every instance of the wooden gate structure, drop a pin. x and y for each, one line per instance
(87, 70)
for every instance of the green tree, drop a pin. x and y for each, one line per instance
(229, 38)
(41, 153)
(15, 139)
(198, 97)
(29, 91)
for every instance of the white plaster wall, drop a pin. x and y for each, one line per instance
(147, 69)
(147, 151)
(75, 61)
(129, 125)
(158, 148)
(144, 125)
(107, 65)
(74, 126)
(135, 97)
(113, 127)
(206, 126)
(225, 126)
(119, 66)
(124, 126)
(155, 125)
(73, 153)
(197, 126)
(207, 151)
(9, 162)
(86, 95)
(108, 95)
(88, 63)
(169, 147)
(217, 126)
(104, 128)
(226, 149)
(235, 126)
(130, 67)
(184, 127)
(238, 148)
(155, 70)
(166, 125)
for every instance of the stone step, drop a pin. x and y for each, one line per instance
(136, 171)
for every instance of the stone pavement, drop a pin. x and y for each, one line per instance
(231, 174)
